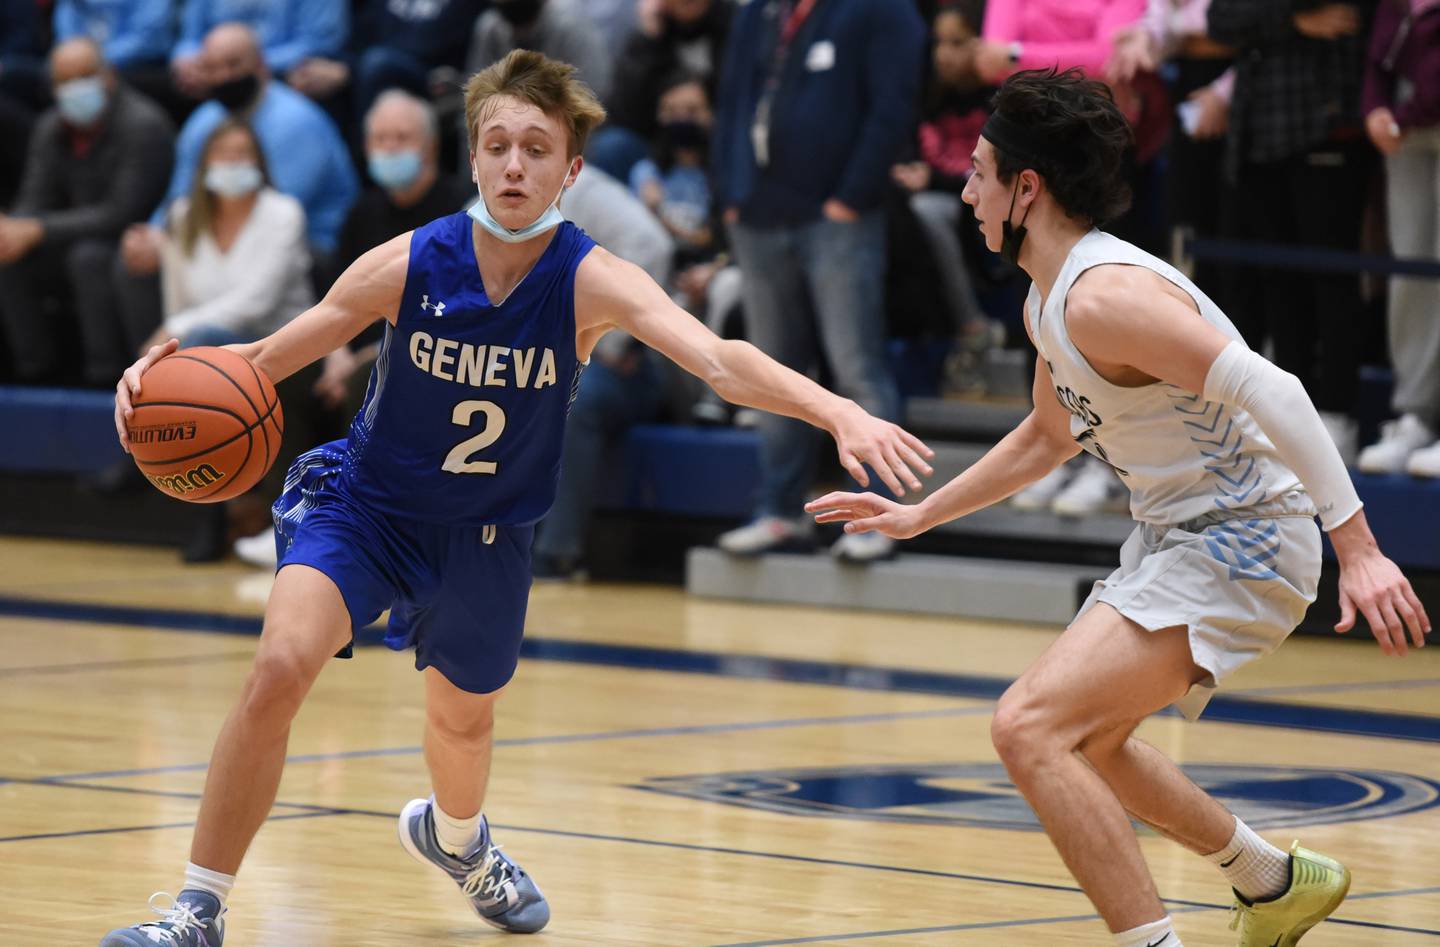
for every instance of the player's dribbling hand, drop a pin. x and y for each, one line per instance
(889, 450)
(129, 386)
(1373, 586)
(866, 512)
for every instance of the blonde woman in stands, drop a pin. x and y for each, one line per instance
(234, 264)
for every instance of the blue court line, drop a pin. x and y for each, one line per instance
(865, 935)
(1222, 708)
(712, 849)
(694, 729)
(903, 932)
(1339, 688)
(118, 830)
(126, 664)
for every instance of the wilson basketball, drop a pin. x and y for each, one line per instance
(206, 426)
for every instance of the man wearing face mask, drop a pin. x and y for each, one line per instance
(307, 157)
(94, 165)
(670, 35)
(402, 139)
(561, 29)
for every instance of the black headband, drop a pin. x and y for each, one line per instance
(1018, 142)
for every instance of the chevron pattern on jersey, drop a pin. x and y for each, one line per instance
(1214, 432)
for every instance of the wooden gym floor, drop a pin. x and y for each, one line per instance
(672, 771)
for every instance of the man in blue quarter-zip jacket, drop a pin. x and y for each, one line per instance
(816, 99)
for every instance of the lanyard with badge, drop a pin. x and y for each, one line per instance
(794, 13)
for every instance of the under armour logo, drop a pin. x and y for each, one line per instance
(425, 303)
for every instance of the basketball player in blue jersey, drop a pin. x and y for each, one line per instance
(1227, 462)
(429, 506)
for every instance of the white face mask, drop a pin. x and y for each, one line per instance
(549, 219)
(81, 100)
(232, 178)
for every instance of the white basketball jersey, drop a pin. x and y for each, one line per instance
(1180, 455)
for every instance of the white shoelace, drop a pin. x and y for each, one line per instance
(178, 915)
(478, 882)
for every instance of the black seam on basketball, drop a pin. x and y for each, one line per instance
(246, 429)
(223, 374)
(269, 408)
(261, 382)
(206, 497)
(192, 404)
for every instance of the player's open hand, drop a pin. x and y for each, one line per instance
(889, 449)
(1373, 586)
(864, 512)
(129, 386)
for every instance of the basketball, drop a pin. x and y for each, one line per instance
(206, 425)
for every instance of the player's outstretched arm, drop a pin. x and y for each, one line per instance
(1037, 446)
(611, 293)
(368, 290)
(1121, 316)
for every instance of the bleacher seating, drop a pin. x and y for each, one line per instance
(996, 563)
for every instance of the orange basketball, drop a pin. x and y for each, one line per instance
(206, 426)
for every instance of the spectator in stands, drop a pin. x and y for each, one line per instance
(402, 152)
(675, 183)
(625, 383)
(954, 109)
(292, 35)
(135, 36)
(1173, 33)
(401, 45)
(1401, 104)
(1300, 160)
(24, 91)
(235, 267)
(558, 28)
(96, 164)
(1027, 34)
(615, 19)
(670, 35)
(402, 147)
(814, 107)
(307, 158)
(1036, 34)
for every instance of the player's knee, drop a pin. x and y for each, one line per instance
(468, 725)
(1021, 731)
(278, 684)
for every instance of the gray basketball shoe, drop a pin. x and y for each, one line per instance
(499, 890)
(193, 919)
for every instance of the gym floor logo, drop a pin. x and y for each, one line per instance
(981, 794)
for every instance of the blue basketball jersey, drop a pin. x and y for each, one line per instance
(464, 416)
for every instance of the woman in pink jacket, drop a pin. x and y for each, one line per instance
(1036, 34)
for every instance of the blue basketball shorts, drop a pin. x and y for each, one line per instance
(456, 594)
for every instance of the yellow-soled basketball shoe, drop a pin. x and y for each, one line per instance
(1317, 886)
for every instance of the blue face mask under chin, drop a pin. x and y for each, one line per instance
(549, 220)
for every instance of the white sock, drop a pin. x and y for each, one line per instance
(1253, 866)
(1159, 933)
(211, 882)
(456, 836)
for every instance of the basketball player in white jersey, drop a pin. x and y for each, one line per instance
(1227, 464)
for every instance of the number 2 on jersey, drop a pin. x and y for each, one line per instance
(457, 461)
